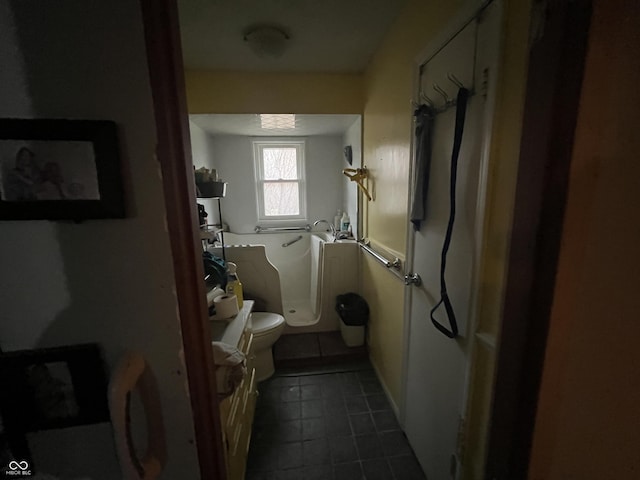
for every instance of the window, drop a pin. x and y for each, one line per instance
(280, 180)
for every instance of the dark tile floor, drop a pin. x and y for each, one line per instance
(314, 349)
(328, 426)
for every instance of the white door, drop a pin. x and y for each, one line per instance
(436, 369)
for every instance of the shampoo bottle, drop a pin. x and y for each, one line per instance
(234, 287)
(344, 222)
(336, 221)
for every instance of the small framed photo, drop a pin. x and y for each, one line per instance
(59, 170)
(53, 388)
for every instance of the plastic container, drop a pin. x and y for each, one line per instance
(345, 222)
(353, 311)
(337, 220)
(352, 336)
(234, 286)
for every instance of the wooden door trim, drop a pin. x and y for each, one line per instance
(173, 150)
(556, 65)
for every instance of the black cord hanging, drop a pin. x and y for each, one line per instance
(461, 109)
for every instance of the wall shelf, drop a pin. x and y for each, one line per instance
(211, 189)
(209, 232)
(215, 191)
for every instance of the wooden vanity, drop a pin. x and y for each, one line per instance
(236, 411)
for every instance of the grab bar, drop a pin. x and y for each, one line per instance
(395, 263)
(259, 229)
(394, 266)
(291, 242)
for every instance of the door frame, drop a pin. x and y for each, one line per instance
(540, 203)
(173, 151)
(556, 64)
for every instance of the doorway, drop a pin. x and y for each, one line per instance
(175, 83)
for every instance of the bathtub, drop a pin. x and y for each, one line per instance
(299, 281)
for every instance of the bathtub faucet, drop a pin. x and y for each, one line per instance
(331, 227)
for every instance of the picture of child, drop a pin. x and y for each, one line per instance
(45, 171)
(21, 181)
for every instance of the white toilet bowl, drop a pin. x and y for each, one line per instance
(266, 329)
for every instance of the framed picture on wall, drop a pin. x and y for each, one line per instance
(52, 388)
(59, 170)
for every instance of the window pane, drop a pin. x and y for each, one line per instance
(280, 163)
(281, 199)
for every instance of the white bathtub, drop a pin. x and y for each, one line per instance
(310, 273)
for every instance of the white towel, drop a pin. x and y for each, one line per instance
(230, 367)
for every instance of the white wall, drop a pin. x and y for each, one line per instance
(105, 281)
(202, 155)
(233, 157)
(352, 137)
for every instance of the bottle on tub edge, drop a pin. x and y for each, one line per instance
(337, 221)
(344, 222)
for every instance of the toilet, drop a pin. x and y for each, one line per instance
(266, 329)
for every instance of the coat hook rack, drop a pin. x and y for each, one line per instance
(448, 101)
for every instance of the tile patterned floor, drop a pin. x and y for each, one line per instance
(328, 426)
(309, 349)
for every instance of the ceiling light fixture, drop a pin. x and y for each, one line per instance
(267, 41)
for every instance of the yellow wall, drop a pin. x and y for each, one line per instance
(387, 154)
(385, 325)
(387, 117)
(255, 92)
(387, 148)
(588, 419)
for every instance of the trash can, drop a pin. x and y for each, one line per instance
(354, 316)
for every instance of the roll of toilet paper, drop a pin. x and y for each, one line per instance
(217, 292)
(213, 294)
(226, 307)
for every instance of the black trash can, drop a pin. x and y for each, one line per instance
(353, 311)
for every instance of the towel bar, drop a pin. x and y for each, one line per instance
(259, 229)
(394, 266)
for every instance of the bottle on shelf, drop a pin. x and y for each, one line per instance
(234, 286)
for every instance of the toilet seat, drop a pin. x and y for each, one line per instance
(263, 322)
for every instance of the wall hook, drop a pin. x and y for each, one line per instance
(447, 100)
(453, 79)
(427, 100)
(358, 175)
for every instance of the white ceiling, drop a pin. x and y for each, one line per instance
(325, 35)
(251, 125)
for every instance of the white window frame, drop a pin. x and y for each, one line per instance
(299, 145)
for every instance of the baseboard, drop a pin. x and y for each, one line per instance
(394, 407)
